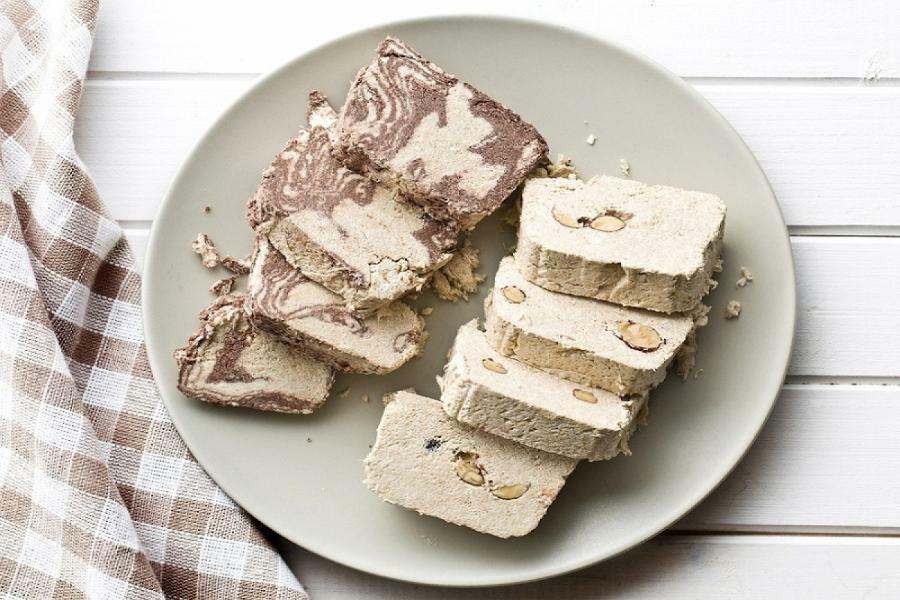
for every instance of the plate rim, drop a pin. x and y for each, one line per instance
(542, 573)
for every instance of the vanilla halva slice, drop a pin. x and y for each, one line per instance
(426, 461)
(622, 350)
(281, 300)
(647, 246)
(356, 237)
(484, 389)
(446, 145)
(227, 361)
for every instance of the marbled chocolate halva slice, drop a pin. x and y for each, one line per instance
(358, 238)
(229, 362)
(445, 144)
(619, 349)
(426, 461)
(622, 241)
(505, 397)
(281, 300)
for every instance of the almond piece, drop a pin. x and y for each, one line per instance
(514, 294)
(510, 492)
(566, 219)
(492, 365)
(467, 468)
(585, 396)
(638, 336)
(608, 223)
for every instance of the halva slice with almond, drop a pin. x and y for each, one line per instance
(619, 349)
(622, 241)
(426, 461)
(531, 407)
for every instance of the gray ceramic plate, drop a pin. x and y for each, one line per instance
(302, 476)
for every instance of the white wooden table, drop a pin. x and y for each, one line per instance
(814, 509)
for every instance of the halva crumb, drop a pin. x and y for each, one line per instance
(624, 167)
(510, 216)
(223, 286)
(204, 247)
(562, 167)
(745, 278)
(210, 257)
(733, 310)
(458, 279)
(591, 138)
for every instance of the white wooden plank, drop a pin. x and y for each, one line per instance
(693, 38)
(827, 460)
(671, 567)
(134, 135)
(137, 239)
(844, 302)
(848, 314)
(829, 151)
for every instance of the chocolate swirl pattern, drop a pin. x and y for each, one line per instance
(342, 228)
(452, 148)
(228, 362)
(284, 302)
(282, 285)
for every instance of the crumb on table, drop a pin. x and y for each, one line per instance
(733, 310)
(624, 167)
(745, 278)
(591, 138)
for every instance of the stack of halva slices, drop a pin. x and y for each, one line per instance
(363, 206)
(604, 290)
(358, 210)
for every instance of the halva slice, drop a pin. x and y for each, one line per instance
(426, 461)
(283, 301)
(647, 246)
(505, 397)
(622, 350)
(359, 239)
(229, 362)
(443, 143)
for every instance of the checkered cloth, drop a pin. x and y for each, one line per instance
(99, 497)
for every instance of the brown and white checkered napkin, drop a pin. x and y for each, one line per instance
(99, 497)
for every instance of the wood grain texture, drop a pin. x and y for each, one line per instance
(670, 567)
(827, 460)
(745, 38)
(828, 151)
(843, 299)
(847, 309)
